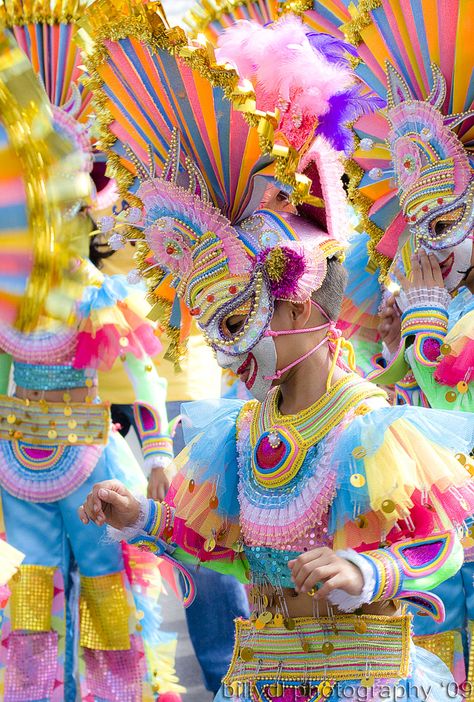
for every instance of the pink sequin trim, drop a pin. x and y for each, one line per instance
(116, 676)
(31, 666)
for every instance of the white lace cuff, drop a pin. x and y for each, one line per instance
(130, 532)
(349, 603)
(155, 461)
(424, 297)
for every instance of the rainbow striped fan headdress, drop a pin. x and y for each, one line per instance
(46, 32)
(40, 179)
(193, 152)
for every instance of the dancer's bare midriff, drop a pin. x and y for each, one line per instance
(303, 605)
(73, 394)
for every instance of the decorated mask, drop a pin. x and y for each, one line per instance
(433, 171)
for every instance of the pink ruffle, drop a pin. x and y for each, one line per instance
(49, 489)
(101, 349)
(305, 514)
(454, 369)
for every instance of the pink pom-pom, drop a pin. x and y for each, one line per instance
(431, 349)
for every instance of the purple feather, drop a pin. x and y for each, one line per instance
(344, 109)
(332, 49)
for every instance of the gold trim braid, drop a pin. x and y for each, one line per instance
(23, 12)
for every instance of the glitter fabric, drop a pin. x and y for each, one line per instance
(441, 644)
(470, 669)
(104, 613)
(31, 666)
(116, 676)
(32, 598)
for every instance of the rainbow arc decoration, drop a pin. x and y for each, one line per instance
(40, 179)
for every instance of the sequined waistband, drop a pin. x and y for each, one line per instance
(344, 647)
(53, 423)
(40, 377)
(270, 564)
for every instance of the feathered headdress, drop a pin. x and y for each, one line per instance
(192, 151)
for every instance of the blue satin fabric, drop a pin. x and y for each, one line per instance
(51, 534)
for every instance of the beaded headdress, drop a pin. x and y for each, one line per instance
(412, 171)
(193, 149)
(40, 178)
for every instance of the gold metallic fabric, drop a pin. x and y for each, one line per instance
(104, 611)
(442, 645)
(32, 598)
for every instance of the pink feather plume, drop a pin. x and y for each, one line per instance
(287, 72)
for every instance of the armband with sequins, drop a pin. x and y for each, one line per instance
(409, 570)
(157, 445)
(429, 326)
(155, 536)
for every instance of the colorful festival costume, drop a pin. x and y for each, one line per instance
(256, 487)
(65, 638)
(412, 182)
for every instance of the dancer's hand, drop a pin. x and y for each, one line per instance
(109, 502)
(322, 565)
(425, 272)
(390, 325)
(158, 484)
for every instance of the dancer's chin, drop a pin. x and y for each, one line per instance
(259, 388)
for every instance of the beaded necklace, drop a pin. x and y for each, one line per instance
(280, 442)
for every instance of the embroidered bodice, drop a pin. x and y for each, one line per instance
(287, 480)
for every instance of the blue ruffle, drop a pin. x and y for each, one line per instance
(113, 289)
(209, 427)
(453, 431)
